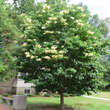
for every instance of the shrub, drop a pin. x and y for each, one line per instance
(66, 95)
(31, 95)
(6, 94)
(47, 94)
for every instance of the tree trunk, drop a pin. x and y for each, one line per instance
(61, 100)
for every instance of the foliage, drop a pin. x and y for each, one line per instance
(61, 49)
(8, 36)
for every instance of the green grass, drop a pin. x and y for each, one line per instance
(84, 103)
(102, 95)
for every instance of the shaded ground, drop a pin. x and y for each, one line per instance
(4, 107)
(46, 107)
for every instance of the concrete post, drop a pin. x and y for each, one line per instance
(19, 102)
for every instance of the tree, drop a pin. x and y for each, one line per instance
(8, 37)
(60, 49)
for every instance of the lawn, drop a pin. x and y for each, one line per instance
(78, 102)
(102, 95)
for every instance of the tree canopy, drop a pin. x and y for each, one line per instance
(60, 49)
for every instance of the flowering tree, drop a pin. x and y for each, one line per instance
(60, 49)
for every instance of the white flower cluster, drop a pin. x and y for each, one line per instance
(38, 46)
(64, 12)
(79, 23)
(80, 8)
(90, 32)
(27, 54)
(24, 44)
(47, 57)
(51, 51)
(89, 54)
(72, 18)
(45, 6)
(39, 59)
(48, 32)
(52, 18)
(29, 40)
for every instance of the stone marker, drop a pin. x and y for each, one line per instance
(19, 102)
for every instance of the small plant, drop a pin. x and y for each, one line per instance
(47, 95)
(6, 94)
(31, 95)
(66, 95)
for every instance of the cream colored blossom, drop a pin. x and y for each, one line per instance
(60, 56)
(22, 36)
(89, 54)
(61, 52)
(39, 46)
(48, 32)
(80, 8)
(45, 6)
(63, 20)
(62, 46)
(55, 22)
(24, 44)
(40, 15)
(78, 21)
(48, 22)
(47, 51)
(28, 20)
(90, 32)
(48, 69)
(15, 41)
(43, 11)
(39, 59)
(27, 53)
(43, 27)
(64, 12)
(32, 57)
(47, 57)
(34, 39)
(53, 51)
(84, 15)
(54, 56)
(54, 47)
(80, 24)
(29, 40)
(52, 18)
(29, 27)
(72, 18)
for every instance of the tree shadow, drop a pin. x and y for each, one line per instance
(46, 107)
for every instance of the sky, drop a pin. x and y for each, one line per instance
(100, 7)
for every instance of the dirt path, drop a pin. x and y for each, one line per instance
(4, 107)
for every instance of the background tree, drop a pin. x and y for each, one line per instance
(8, 37)
(60, 49)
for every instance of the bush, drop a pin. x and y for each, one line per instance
(66, 95)
(5, 94)
(47, 95)
(31, 95)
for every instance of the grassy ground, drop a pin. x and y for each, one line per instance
(102, 95)
(80, 103)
